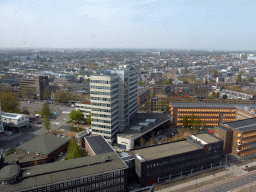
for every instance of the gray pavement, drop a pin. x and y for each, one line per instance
(241, 178)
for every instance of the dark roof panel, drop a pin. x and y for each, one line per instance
(243, 125)
(98, 144)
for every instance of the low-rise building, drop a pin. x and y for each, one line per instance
(104, 172)
(15, 120)
(167, 161)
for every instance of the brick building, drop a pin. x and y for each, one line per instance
(239, 137)
(143, 93)
(167, 161)
(210, 114)
(35, 86)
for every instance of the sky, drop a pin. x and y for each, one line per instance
(160, 24)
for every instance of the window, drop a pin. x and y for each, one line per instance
(89, 180)
(85, 180)
(93, 179)
(122, 172)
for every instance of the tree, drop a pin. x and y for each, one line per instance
(197, 124)
(192, 120)
(73, 150)
(47, 124)
(89, 119)
(9, 101)
(47, 93)
(239, 77)
(251, 79)
(167, 81)
(142, 141)
(45, 111)
(215, 72)
(185, 122)
(88, 80)
(151, 141)
(26, 93)
(153, 94)
(141, 83)
(76, 115)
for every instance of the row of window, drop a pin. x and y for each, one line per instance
(103, 82)
(182, 165)
(100, 131)
(207, 110)
(99, 120)
(100, 99)
(101, 126)
(86, 180)
(101, 110)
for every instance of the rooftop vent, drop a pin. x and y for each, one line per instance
(151, 120)
(136, 128)
(144, 124)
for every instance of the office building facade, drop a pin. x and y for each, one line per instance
(113, 101)
(163, 162)
(127, 95)
(104, 105)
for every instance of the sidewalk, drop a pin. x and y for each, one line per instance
(237, 171)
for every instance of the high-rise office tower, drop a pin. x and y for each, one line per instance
(127, 95)
(1, 121)
(113, 101)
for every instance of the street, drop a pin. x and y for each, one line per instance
(234, 183)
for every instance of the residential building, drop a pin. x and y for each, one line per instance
(143, 93)
(163, 162)
(35, 86)
(210, 114)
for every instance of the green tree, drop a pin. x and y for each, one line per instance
(26, 93)
(141, 83)
(192, 120)
(88, 80)
(197, 124)
(76, 115)
(47, 124)
(251, 79)
(142, 141)
(239, 77)
(151, 141)
(45, 111)
(9, 101)
(73, 150)
(153, 94)
(185, 122)
(47, 93)
(89, 119)
(167, 82)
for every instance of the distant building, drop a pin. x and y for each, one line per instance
(15, 120)
(1, 121)
(35, 86)
(143, 93)
(210, 114)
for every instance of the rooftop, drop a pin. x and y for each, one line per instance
(207, 138)
(41, 175)
(223, 128)
(165, 150)
(243, 125)
(216, 105)
(98, 144)
(159, 118)
(13, 115)
(43, 144)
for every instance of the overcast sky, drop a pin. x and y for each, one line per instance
(175, 24)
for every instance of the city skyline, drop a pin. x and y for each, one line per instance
(176, 24)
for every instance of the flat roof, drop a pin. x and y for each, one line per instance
(142, 117)
(43, 144)
(207, 138)
(41, 175)
(223, 128)
(13, 115)
(243, 125)
(165, 150)
(98, 144)
(215, 105)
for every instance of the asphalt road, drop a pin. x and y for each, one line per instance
(232, 184)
